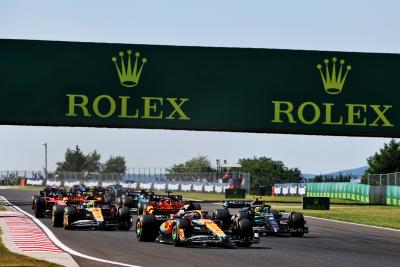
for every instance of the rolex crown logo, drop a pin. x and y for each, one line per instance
(333, 81)
(129, 77)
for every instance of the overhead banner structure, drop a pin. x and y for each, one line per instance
(199, 88)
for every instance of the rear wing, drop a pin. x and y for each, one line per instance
(237, 203)
(70, 199)
(159, 197)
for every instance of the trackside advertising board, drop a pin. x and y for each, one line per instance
(316, 203)
(199, 88)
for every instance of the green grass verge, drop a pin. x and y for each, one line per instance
(384, 216)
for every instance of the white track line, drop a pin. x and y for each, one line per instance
(59, 244)
(358, 224)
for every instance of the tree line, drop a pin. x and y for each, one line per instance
(76, 161)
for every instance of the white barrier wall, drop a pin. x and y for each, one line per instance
(53, 183)
(291, 189)
(198, 187)
(105, 184)
(285, 190)
(219, 188)
(278, 190)
(129, 185)
(186, 187)
(71, 184)
(209, 188)
(159, 186)
(92, 183)
(34, 182)
(145, 186)
(302, 191)
(173, 187)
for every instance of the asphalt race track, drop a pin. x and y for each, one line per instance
(328, 244)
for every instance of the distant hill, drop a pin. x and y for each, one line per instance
(308, 175)
(354, 172)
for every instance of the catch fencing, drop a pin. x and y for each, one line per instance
(391, 183)
(383, 179)
(155, 186)
(155, 179)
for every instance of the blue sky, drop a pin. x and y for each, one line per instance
(367, 26)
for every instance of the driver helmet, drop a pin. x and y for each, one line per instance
(193, 215)
(205, 215)
(258, 209)
(90, 204)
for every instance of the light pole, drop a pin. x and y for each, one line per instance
(45, 160)
(218, 161)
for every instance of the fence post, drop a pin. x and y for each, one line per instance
(368, 178)
(380, 179)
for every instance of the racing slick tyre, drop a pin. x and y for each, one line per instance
(243, 215)
(246, 233)
(224, 216)
(124, 218)
(70, 215)
(147, 228)
(182, 224)
(57, 215)
(33, 201)
(296, 221)
(39, 207)
(127, 202)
